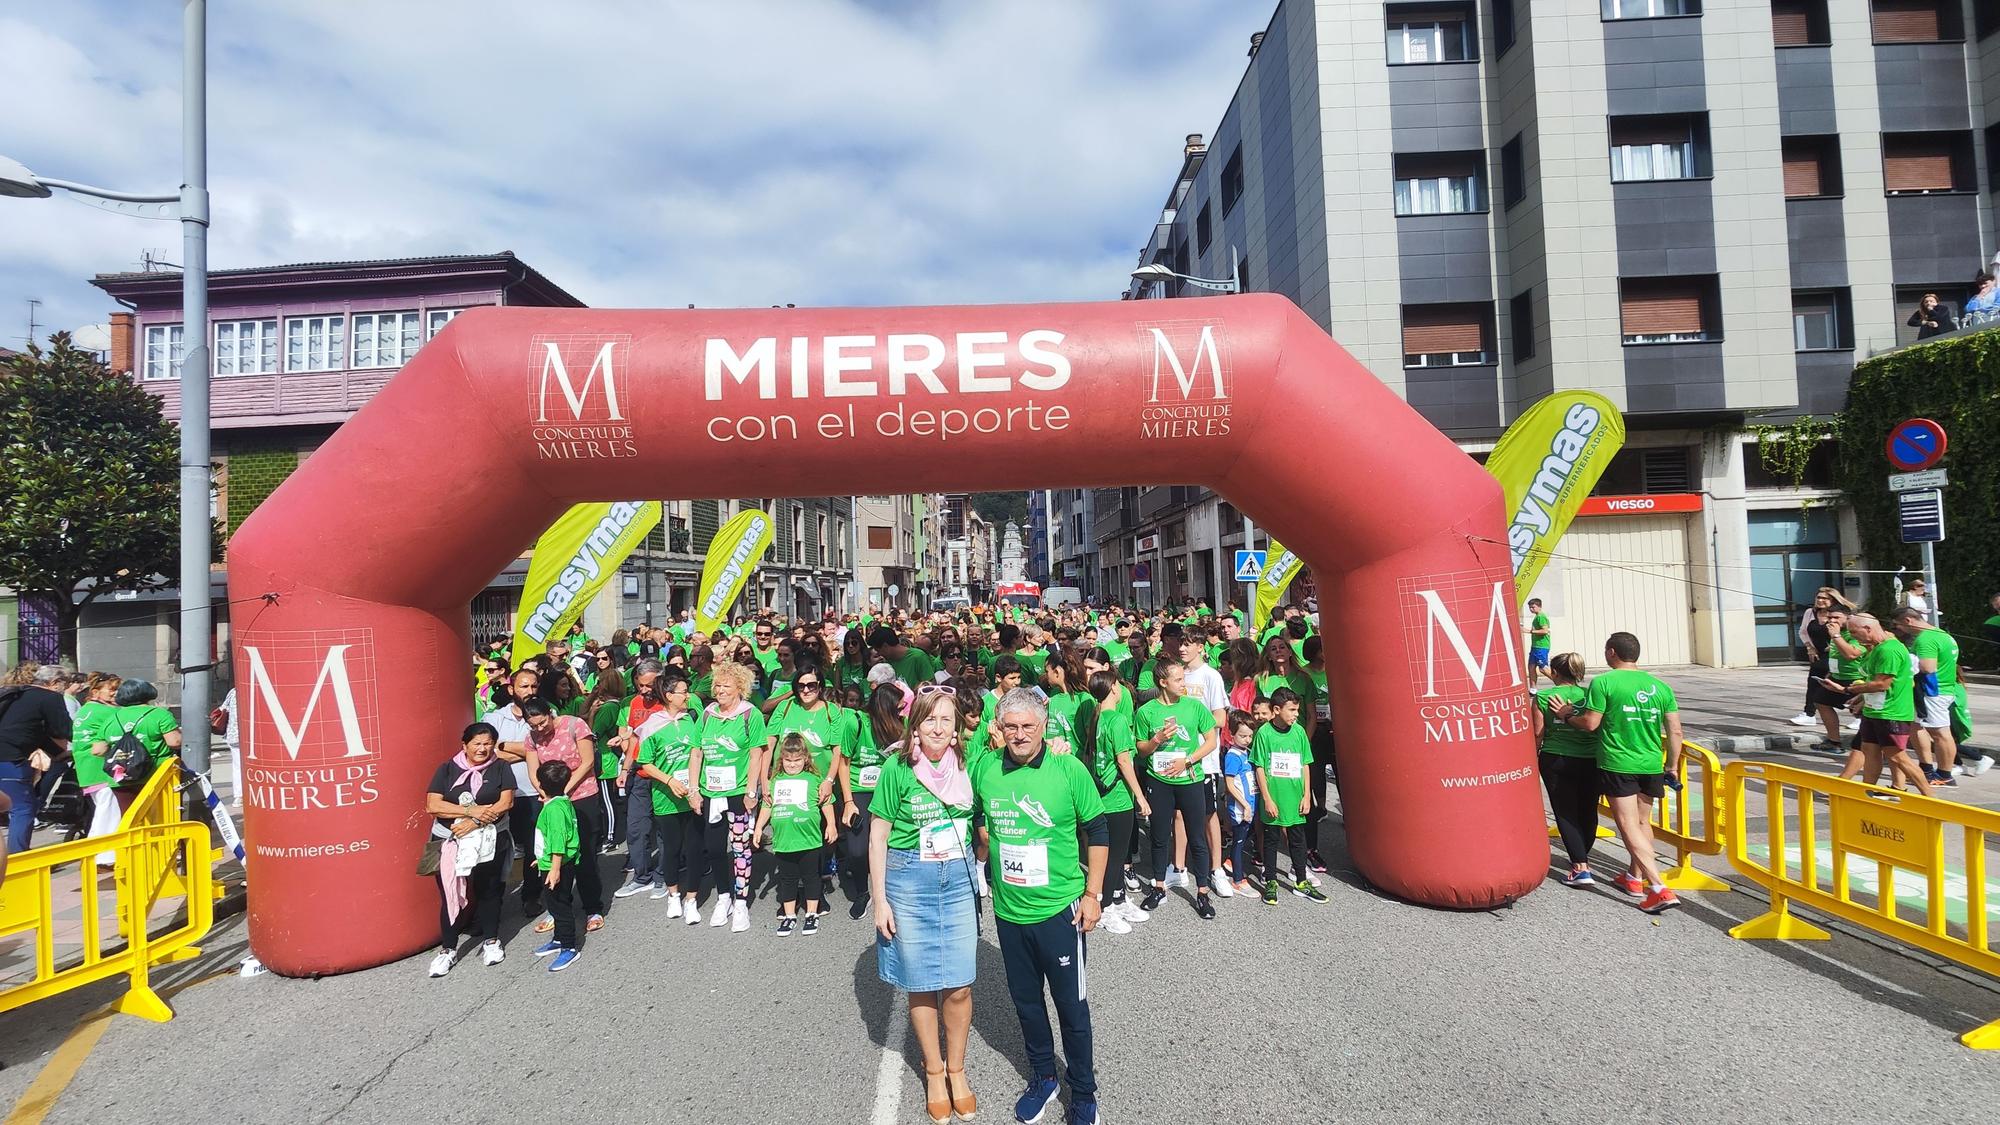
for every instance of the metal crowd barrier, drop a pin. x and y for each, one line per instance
(1866, 824)
(158, 858)
(1687, 819)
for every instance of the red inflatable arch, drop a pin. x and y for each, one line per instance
(354, 679)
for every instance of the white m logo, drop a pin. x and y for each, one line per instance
(1498, 627)
(334, 672)
(552, 364)
(1185, 375)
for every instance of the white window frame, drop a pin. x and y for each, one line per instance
(166, 344)
(407, 335)
(1701, 337)
(324, 343)
(1438, 195)
(263, 334)
(1830, 314)
(1448, 359)
(798, 535)
(1648, 9)
(436, 319)
(1637, 164)
(1403, 31)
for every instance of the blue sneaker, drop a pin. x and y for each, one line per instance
(564, 960)
(1082, 1112)
(546, 948)
(1579, 879)
(1035, 1100)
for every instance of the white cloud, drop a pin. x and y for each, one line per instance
(747, 153)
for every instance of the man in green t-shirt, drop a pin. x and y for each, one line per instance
(1538, 641)
(1888, 705)
(1045, 894)
(913, 665)
(1638, 727)
(1938, 692)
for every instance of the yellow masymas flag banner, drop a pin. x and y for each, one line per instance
(1280, 567)
(573, 560)
(732, 556)
(1547, 462)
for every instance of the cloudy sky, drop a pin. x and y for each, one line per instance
(746, 152)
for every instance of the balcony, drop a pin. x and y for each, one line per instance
(295, 398)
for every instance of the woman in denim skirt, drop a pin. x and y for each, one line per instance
(926, 928)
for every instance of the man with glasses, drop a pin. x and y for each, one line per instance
(1046, 893)
(511, 732)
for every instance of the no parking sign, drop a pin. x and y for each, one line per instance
(1915, 445)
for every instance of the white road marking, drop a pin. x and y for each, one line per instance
(889, 1073)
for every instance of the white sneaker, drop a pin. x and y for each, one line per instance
(491, 953)
(1132, 881)
(720, 916)
(1187, 880)
(1131, 911)
(673, 905)
(1981, 766)
(1220, 883)
(1804, 721)
(739, 918)
(1114, 922)
(691, 910)
(628, 890)
(442, 963)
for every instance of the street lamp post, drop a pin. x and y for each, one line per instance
(192, 213)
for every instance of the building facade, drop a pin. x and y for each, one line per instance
(1704, 212)
(887, 561)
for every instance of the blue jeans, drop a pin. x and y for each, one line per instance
(17, 781)
(1052, 950)
(640, 839)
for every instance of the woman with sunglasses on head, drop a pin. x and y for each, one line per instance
(920, 875)
(723, 764)
(878, 725)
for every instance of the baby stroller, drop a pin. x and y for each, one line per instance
(64, 809)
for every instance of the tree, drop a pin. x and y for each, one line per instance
(90, 470)
(999, 508)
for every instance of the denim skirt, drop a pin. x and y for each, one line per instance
(936, 946)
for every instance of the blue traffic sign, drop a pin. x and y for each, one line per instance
(1921, 516)
(1916, 444)
(1249, 565)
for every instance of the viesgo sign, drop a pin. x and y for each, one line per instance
(1641, 505)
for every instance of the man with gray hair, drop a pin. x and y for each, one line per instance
(34, 730)
(1046, 894)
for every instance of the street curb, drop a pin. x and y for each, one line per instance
(231, 904)
(1762, 743)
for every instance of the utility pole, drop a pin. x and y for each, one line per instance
(34, 330)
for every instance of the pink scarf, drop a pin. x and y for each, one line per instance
(448, 877)
(945, 778)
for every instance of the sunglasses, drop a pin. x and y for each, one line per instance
(604, 660)
(807, 685)
(936, 689)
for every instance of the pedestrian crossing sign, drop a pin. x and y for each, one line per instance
(1249, 566)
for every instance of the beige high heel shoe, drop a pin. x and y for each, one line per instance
(938, 1107)
(966, 1105)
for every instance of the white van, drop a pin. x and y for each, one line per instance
(1055, 596)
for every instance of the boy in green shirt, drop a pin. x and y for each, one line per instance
(1538, 641)
(1281, 755)
(558, 849)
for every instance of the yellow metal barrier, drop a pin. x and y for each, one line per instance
(146, 859)
(1866, 823)
(1688, 819)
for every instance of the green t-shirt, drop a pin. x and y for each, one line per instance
(1539, 643)
(798, 822)
(1195, 721)
(914, 667)
(1062, 716)
(1033, 815)
(604, 725)
(824, 728)
(1632, 736)
(725, 751)
(1114, 737)
(94, 722)
(1283, 756)
(1890, 658)
(150, 722)
(1836, 664)
(864, 758)
(912, 809)
(1032, 662)
(768, 657)
(1118, 651)
(847, 675)
(1559, 737)
(667, 750)
(1301, 684)
(555, 833)
(1938, 645)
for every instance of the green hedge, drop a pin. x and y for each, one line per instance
(1955, 382)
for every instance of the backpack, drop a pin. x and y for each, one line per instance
(129, 761)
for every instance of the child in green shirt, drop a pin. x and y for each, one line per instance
(558, 849)
(1281, 754)
(800, 816)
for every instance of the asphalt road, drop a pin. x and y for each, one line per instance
(1568, 1006)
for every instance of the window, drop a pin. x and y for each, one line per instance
(881, 538)
(246, 347)
(1799, 23)
(1421, 34)
(1916, 21)
(1647, 470)
(1820, 321)
(438, 319)
(1663, 147)
(1447, 335)
(1232, 180)
(1670, 310)
(1521, 324)
(1513, 172)
(1923, 163)
(1243, 274)
(1438, 183)
(1985, 17)
(315, 343)
(1201, 229)
(1648, 9)
(1812, 167)
(164, 349)
(819, 539)
(386, 339)
(798, 535)
(1503, 26)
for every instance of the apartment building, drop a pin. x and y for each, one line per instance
(1704, 211)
